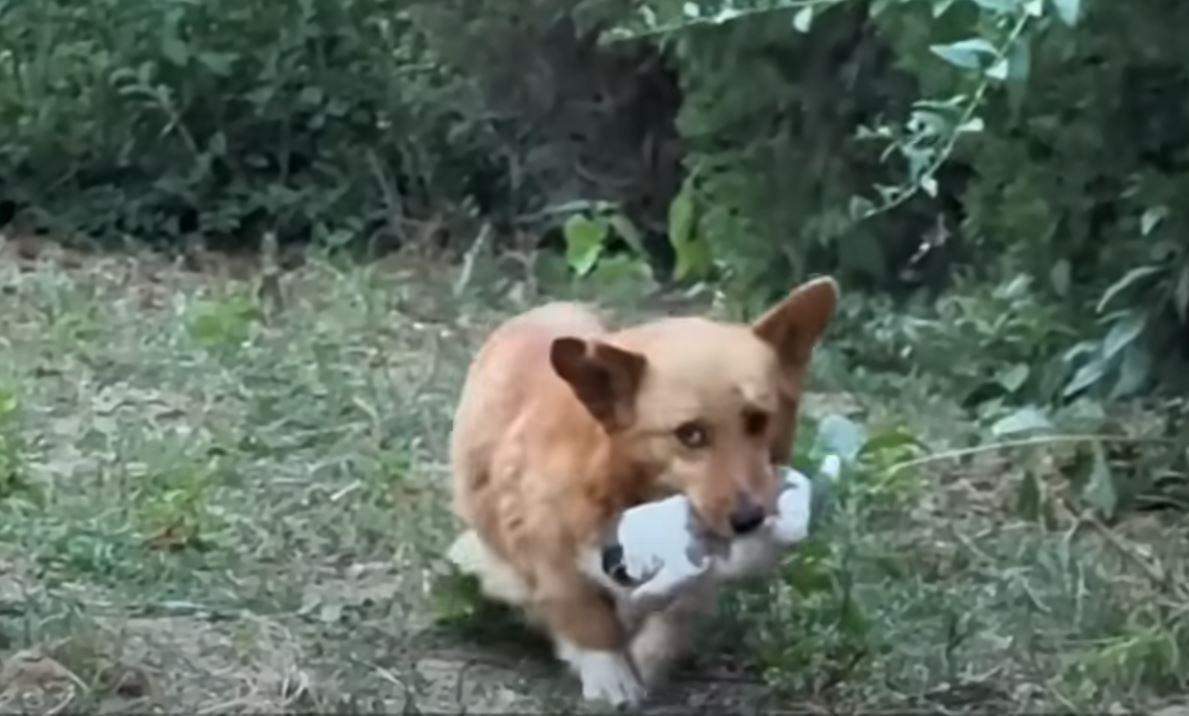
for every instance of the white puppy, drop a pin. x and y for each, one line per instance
(657, 550)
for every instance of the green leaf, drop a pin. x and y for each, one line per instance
(803, 19)
(694, 259)
(218, 144)
(1123, 333)
(1087, 375)
(628, 232)
(940, 6)
(622, 274)
(929, 184)
(1131, 278)
(219, 63)
(1014, 378)
(1059, 276)
(840, 436)
(1020, 61)
(999, 70)
(681, 218)
(974, 125)
(1181, 294)
(311, 95)
(584, 243)
(859, 207)
(1152, 218)
(1133, 372)
(965, 53)
(1069, 11)
(175, 51)
(934, 122)
(1024, 420)
(1100, 492)
(1000, 6)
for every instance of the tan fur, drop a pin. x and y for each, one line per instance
(563, 423)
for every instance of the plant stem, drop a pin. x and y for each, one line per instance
(1026, 442)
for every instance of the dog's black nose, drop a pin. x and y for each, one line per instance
(746, 517)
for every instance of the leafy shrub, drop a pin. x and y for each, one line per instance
(163, 121)
(896, 143)
(1033, 137)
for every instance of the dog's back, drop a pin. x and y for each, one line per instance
(510, 401)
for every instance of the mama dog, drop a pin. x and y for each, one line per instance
(563, 423)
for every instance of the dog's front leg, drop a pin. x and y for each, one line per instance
(589, 637)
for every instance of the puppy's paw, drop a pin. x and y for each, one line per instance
(629, 568)
(608, 676)
(669, 582)
(793, 509)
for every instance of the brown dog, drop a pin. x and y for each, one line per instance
(562, 424)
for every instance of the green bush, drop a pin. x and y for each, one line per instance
(164, 120)
(894, 143)
(989, 138)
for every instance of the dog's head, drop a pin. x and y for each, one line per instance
(702, 407)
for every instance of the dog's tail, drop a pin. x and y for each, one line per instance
(497, 579)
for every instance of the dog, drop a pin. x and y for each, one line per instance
(563, 423)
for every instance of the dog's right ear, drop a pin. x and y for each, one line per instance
(794, 326)
(605, 378)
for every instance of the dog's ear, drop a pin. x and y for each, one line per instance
(794, 326)
(605, 378)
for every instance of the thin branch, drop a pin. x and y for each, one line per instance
(723, 18)
(943, 156)
(1026, 442)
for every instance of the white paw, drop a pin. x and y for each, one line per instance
(641, 566)
(793, 506)
(669, 582)
(607, 676)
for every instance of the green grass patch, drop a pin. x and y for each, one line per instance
(207, 505)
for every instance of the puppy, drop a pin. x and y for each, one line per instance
(563, 423)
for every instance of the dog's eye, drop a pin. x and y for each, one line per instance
(755, 422)
(692, 435)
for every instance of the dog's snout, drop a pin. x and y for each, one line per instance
(747, 515)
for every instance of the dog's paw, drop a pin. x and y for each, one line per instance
(608, 676)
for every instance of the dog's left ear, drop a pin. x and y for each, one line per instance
(794, 326)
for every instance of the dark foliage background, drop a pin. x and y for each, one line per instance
(1002, 172)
